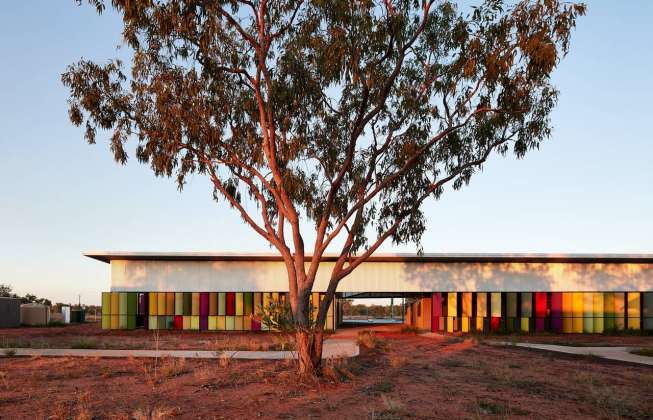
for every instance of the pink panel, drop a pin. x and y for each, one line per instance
(204, 304)
(556, 305)
(436, 310)
(540, 305)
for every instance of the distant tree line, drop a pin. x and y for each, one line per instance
(7, 291)
(373, 311)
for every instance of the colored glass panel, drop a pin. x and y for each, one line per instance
(162, 321)
(588, 305)
(619, 305)
(567, 325)
(608, 305)
(495, 304)
(132, 304)
(647, 324)
(238, 323)
(540, 324)
(179, 322)
(204, 322)
(267, 297)
(577, 325)
(106, 304)
(495, 323)
(256, 325)
(647, 305)
(222, 304)
(588, 325)
(204, 305)
(152, 322)
(567, 305)
(122, 322)
(525, 324)
(230, 322)
(195, 305)
(481, 304)
(239, 304)
(450, 324)
(188, 304)
(597, 300)
(511, 305)
(452, 304)
(556, 323)
(131, 322)
(213, 321)
(143, 303)
(634, 302)
(221, 323)
(179, 304)
(170, 304)
(187, 322)
(526, 305)
(249, 303)
(195, 321)
(541, 305)
(467, 304)
(153, 304)
(231, 304)
(161, 304)
(106, 322)
(464, 324)
(275, 297)
(577, 305)
(213, 304)
(115, 303)
(258, 301)
(556, 304)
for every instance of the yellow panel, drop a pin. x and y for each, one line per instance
(496, 304)
(267, 297)
(608, 305)
(213, 322)
(567, 325)
(598, 307)
(567, 306)
(161, 303)
(187, 322)
(598, 324)
(450, 324)
(194, 322)
(238, 325)
(153, 322)
(634, 299)
(619, 305)
(179, 303)
(481, 305)
(195, 305)
(467, 304)
(452, 304)
(588, 305)
(153, 304)
(115, 322)
(275, 297)
(465, 324)
(634, 323)
(247, 323)
(315, 303)
(526, 304)
(106, 322)
(578, 325)
(115, 304)
(239, 304)
(106, 304)
(230, 322)
(525, 324)
(221, 323)
(479, 323)
(577, 305)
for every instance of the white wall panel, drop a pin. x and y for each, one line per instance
(189, 276)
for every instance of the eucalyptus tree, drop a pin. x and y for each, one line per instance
(336, 117)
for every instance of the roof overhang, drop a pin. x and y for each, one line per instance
(108, 256)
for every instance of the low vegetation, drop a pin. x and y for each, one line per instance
(644, 351)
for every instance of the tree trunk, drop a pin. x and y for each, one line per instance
(309, 351)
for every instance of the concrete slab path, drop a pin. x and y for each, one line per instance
(621, 354)
(332, 349)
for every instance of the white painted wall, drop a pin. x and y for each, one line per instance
(234, 276)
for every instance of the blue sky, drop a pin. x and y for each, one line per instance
(589, 188)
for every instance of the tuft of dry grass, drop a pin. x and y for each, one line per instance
(409, 329)
(157, 413)
(368, 339)
(172, 367)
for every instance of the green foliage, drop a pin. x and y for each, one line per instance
(278, 316)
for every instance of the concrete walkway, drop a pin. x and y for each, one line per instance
(332, 349)
(612, 353)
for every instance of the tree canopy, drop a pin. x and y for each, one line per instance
(337, 116)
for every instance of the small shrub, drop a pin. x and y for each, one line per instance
(172, 367)
(644, 351)
(56, 323)
(84, 343)
(9, 352)
(368, 339)
(224, 360)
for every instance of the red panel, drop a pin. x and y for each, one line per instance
(256, 325)
(436, 310)
(540, 305)
(556, 305)
(231, 303)
(179, 322)
(539, 324)
(495, 323)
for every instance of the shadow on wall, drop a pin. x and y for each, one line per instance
(529, 276)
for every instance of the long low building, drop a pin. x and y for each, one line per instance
(446, 292)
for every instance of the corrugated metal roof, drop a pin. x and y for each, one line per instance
(107, 256)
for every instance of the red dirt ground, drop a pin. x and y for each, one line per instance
(401, 376)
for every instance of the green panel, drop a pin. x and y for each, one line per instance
(179, 303)
(162, 322)
(170, 322)
(248, 303)
(526, 306)
(495, 304)
(588, 305)
(132, 303)
(123, 305)
(188, 303)
(106, 322)
(511, 305)
(608, 306)
(230, 322)
(608, 323)
(588, 325)
(153, 323)
(647, 305)
(599, 325)
(122, 322)
(648, 324)
(131, 322)
(106, 304)
(222, 304)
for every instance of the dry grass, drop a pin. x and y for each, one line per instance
(369, 340)
(172, 367)
(157, 413)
